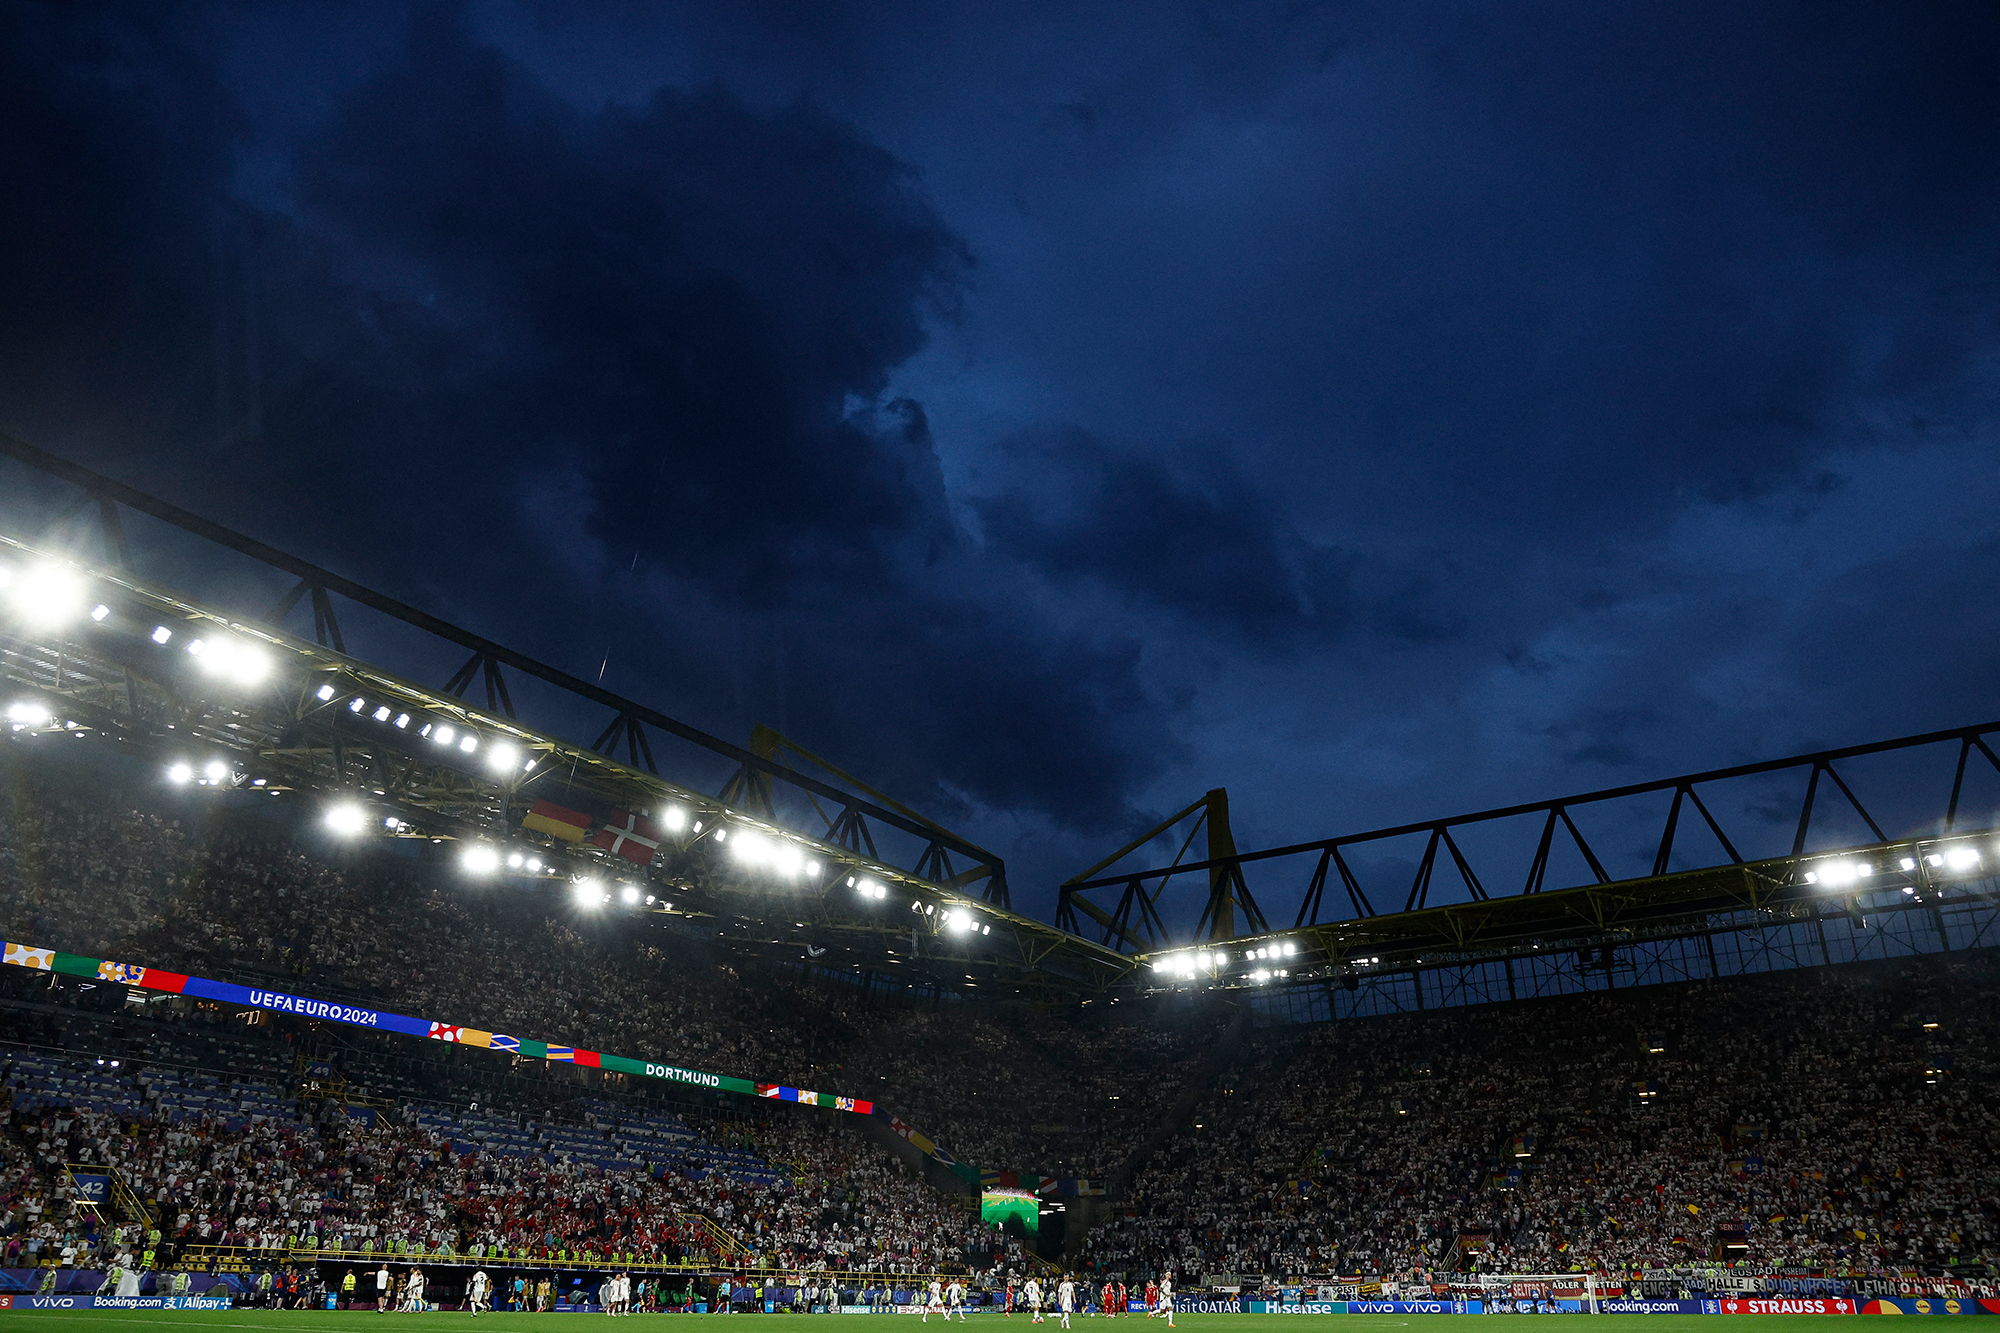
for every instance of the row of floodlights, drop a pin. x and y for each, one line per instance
(501, 756)
(1840, 874)
(953, 918)
(50, 596)
(591, 894)
(1192, 964)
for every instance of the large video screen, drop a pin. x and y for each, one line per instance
(997, 1206)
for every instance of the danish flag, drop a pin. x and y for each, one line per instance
(629, 836)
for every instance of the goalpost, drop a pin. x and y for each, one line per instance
(1487, 1282)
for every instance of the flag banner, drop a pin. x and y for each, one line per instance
(626, 834)
(552, 819)
(35, 957)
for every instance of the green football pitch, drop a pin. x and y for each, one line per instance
(293, 1321)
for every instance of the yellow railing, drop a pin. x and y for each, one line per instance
(712, 1231)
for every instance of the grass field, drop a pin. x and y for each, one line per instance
(325, 1321)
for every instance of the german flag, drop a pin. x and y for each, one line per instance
(552, 819)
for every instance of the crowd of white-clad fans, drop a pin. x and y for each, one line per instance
(241, 1163)
(95, 878)
(1827, 1118)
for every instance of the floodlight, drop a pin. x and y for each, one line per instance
(788, 860)
(48, 596)
(180, 773)
(323, 693)
(216, 770)
(812, 870)
(514, 860)
(402, 720)
(673, 817)
(468, 744)
(382, 713)
(27, 713)
(393, 824)
(629, 894)
(1933, 860)
(589, 893)
(986, 930)
(1159, 964)
(161, 634)
(748, 848)
(345, 819)
(534, 863)
(443, 735)
(99, 611)
(356, 704)
(1961, 858)
(1834, 873)
(1907, 863)
(500, 756)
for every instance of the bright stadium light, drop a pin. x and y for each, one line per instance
(323, 693)
(382, 714)
(629, 894)
(444, 735)
(161, 634)
(27, 713)
(479, 859)
(788, 860)
(402, 721)
(514, 860)
(99, 612)
(749, 848)
(180, 774)
(48, 596)
(216, 770)
(589, 893)
(346, 820)
(673, 818)
(1961, 858)
(234, 661)
(1907, 863)
(502, 757)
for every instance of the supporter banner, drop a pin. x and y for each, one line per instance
(1779, 1305)
(202, 988)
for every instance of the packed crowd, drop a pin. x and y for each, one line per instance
(1816, 1119)
(320, 1177)
(94, 877)
(1845, 1121)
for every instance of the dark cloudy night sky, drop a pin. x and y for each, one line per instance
(1051, 411)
